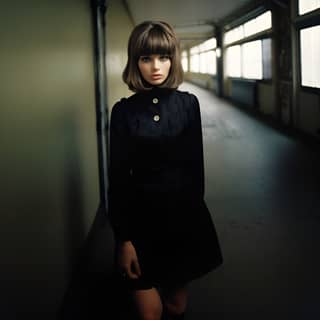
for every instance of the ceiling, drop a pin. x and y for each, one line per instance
(193, 20)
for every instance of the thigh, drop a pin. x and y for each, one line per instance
(147, 303)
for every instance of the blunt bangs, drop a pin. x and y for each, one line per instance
(154, 42)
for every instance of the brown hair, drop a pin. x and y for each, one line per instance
(152, 37)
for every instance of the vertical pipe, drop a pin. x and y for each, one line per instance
(99, 8)
(219, 61)
(295, 65)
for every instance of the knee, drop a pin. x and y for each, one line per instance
(151, 313)
(175, 309)
(151, 316)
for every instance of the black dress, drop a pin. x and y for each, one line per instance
(156, 191)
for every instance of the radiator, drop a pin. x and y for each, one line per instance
(244, 92)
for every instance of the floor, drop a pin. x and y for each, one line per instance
(262, 189)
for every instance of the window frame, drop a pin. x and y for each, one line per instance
(265, 34)
(305, 13)
(304, 21)
(203, 51)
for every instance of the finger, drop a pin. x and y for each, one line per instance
(136, 267)
(128, 272)
(132, 275)
(134, 271)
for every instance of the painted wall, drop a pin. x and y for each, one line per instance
(309, 113)
(48, 167)
(119, 27)
(203, 80)
(266, 98)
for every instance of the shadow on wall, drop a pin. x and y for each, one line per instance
(91, 264)
(73, 193)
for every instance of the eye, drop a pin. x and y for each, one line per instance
(144, 59)
(164, 57)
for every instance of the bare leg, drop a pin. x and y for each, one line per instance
(175, 300)
(148, 304)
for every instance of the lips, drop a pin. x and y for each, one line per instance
(156, 76)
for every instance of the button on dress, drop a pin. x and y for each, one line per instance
(156, 187)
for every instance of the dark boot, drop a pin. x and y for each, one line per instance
(177, 317)
(167, 316)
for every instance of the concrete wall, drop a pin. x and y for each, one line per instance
(48, 167)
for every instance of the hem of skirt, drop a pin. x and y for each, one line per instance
(144, 284)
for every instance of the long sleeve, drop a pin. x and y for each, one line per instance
(195, 160)
(119, 174)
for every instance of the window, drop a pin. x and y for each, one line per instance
(234, 35)
(260, 23)
(203, 57)
(310, 56)
(234, 61)
(194, 60)
(252, 60)
(308, 5)
(184, 61)
(211, 59)
(246, 60)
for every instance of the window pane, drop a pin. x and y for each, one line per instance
(194, 50)
(202, 47)
(194, 63)
(310, 57)
(210, 44)
(252, 60)
(234, 61)
(308, 5)
(211, 62)
(207, 45)
(260, 23)
(203, 63)
(184, 60)
(234, 35)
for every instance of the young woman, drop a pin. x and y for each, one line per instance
(164, 233)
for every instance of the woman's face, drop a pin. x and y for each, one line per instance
(154, 68)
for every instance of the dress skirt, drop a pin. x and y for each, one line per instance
(175, 240)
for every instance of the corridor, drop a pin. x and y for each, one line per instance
(262, 188)
(256, 65)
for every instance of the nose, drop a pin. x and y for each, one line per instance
(156, 63)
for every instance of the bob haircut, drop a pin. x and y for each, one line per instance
(152, 37)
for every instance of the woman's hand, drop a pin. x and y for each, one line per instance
(128, 260)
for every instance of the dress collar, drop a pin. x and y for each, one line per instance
(156, 92)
